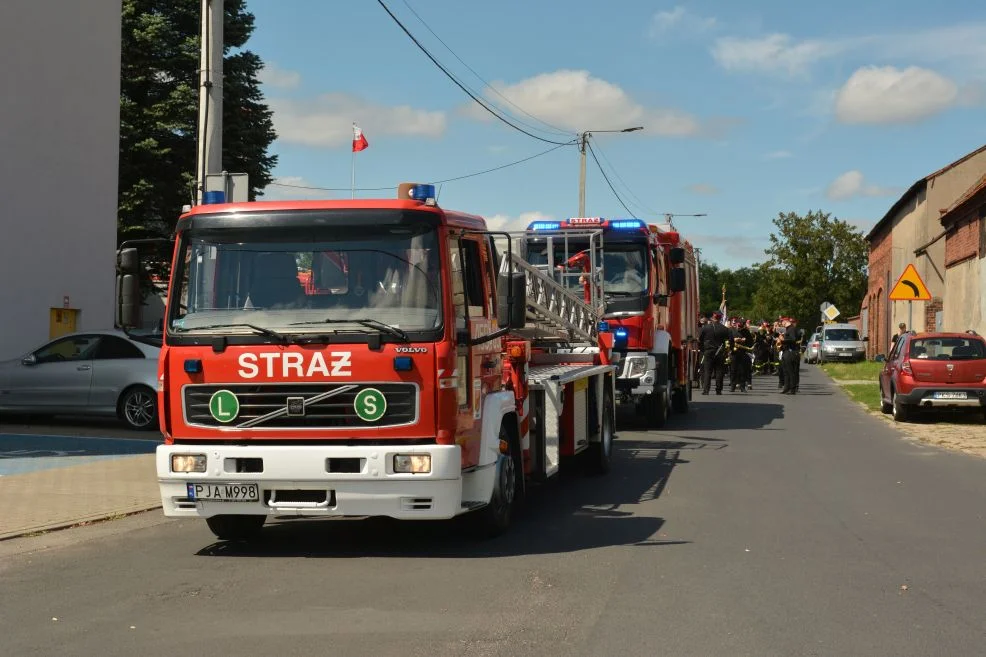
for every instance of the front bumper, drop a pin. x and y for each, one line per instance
(638, 375)
(925, 397)
(373, 490)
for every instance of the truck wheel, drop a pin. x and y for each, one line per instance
(657, 409)
(679, 399)
(235, 528)
(494, 518)
(599, 455)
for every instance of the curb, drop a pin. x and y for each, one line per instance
(94, 518)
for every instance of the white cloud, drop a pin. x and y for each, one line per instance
(778, 155)
(326, 121)
(509, 223)
(679, 20)
(852, 184)
(575, 100)
(739, 248)
(274, 76)
(774, 53)
(704, 189)
(875, 94)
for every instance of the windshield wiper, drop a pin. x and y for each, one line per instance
(369, 323)
(270, 333)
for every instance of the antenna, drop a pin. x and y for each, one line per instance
(670, 215)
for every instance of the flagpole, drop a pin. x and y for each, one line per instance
(354, 175)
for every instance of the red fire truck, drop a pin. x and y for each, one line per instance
(396, 376)
(646, 285)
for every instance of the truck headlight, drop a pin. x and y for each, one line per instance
(636, 367)
(412, 463)
(188, 462)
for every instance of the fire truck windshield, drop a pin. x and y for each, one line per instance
(297, 280)
(624, 265)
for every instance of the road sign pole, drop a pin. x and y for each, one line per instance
(910, 321)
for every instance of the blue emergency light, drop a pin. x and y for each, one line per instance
(193, 366)
(403, 363)
(626, 224)
(620, 338)
(545, 225)
(423, 192)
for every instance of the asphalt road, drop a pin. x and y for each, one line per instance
(760, 524)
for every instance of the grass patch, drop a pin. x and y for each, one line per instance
(863, 371)
(867, 394)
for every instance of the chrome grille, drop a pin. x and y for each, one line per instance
(264, 406)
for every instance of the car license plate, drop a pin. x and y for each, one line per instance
(224, 492)
(950, 395)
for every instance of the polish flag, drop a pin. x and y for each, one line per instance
(359, 141)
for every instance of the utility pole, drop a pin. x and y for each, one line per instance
(583, 145)
(670, 215)
(210, 138)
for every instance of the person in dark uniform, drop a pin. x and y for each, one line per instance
(742, 349)
(778, 337)
(712, 341)
(791, 357)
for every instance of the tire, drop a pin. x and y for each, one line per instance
(599, 455)
(494, 518)
(679, 400)
(901, 412)
(885, 407)
(137, 407)
(657, 409)
(236, 528)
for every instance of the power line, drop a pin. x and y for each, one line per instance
(434, 182)
(640, 204)
(554, 128)
(460, 85)
(606, 178)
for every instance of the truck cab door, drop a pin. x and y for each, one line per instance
(477, 358)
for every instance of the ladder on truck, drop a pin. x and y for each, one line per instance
(563, 305)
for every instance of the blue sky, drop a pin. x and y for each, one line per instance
(747, 112)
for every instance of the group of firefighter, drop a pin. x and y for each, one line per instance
(739, 347)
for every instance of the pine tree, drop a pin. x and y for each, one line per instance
(159, 111)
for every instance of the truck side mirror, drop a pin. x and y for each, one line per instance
(512, 300)
(128, 300)
(677, 279)
(676, 255)
(127, 261)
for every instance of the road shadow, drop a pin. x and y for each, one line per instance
(17, 423)
(710, 413)
(570, 514)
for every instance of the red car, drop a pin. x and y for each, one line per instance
(934, 371)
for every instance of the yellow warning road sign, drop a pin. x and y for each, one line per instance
(910, 287)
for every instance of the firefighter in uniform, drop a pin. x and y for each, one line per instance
(791, 358)
(777, 336)
(712, 341)
(742, 349)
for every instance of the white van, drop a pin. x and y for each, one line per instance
(841, 342)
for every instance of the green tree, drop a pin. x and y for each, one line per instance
(741, 291)
(813, 258)
(159, 111)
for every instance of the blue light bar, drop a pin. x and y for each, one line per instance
(626, 224)
(603, 326)
(621, 332)
(620, 338)
(403, 364)
(545, 225)
(193, 366)
(423, 192)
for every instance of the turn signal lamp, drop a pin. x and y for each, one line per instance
(517, 352)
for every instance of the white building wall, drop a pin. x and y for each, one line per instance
(59, 139)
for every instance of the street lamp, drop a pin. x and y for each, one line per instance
(583, 142)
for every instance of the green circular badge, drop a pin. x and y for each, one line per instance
(224, 406)
(370, 404)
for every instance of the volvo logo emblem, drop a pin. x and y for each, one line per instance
(295, 406)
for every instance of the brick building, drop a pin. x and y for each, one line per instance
(965, 248)
(911, 233)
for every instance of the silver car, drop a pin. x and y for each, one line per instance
(103, 373)
(813, 347)
(841, 342)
